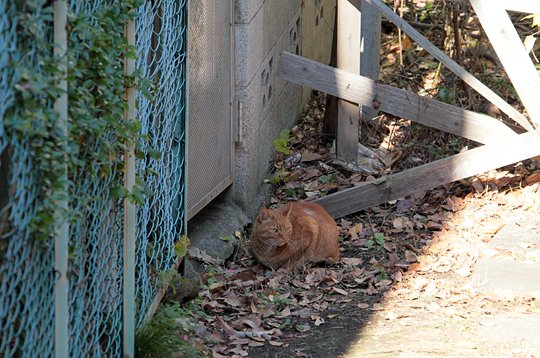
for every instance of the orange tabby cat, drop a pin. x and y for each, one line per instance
(295, 234)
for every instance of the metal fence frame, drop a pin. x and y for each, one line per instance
(149, 231)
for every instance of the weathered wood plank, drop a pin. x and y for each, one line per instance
(348, 59)
(358, 89)
(451, 64)
(431, 175)
(370, 43)
(524, 6)
(330, 115)
(512, 54)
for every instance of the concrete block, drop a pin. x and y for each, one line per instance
(318, 29)
(256, 39)
(517, 235)
(260, 93)
(514, 329)
(249, 46)
(317, 32)
(219, 219)
(245, 10)
(507, 278)
(255, 152)
(264, 29)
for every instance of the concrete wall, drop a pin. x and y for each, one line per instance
(318, 18)
(266, 104)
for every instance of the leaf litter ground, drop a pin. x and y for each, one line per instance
(403, 283)
(405, 266)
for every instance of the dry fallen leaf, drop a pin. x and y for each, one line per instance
(285, 313)
(492, 228)
(340, 291)
(232, 300)
(352, 261)
(463, 272)
(310, 157)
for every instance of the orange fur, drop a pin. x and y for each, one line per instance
(295, 234)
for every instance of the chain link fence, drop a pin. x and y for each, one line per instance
(96, 236)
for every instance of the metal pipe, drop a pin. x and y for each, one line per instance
(185, 167)
(130, 214)
(61, 312)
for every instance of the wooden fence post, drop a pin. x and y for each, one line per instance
(348, 59)
(370, 43)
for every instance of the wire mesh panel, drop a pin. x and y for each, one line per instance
(210, 123)
(26, 266)
(96, 241)
(96, 217)
(161, 30)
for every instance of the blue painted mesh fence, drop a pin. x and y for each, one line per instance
(27, 275)
(26, 269)
(161, 39)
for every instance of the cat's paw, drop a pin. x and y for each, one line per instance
(331, 260)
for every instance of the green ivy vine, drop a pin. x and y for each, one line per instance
(98, 132)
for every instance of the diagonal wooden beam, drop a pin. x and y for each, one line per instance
(512, 54)
(525, 6)
(362, 90)
(431, 175)
(451, 64)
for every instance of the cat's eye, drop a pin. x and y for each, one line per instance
(275, 229)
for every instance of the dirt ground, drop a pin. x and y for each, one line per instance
(432, 310)
(409, 296)
(403, 287)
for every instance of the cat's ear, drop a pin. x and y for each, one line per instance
(263, 216)
(287, 210)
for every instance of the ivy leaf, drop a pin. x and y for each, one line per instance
(165, 276)
(139, 154)
(153, 153)
(146, 93)
(119, 192)
(181, 246)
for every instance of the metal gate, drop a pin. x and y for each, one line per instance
(210, 77)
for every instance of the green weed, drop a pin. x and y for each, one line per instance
(281, 143)
(170, 333)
